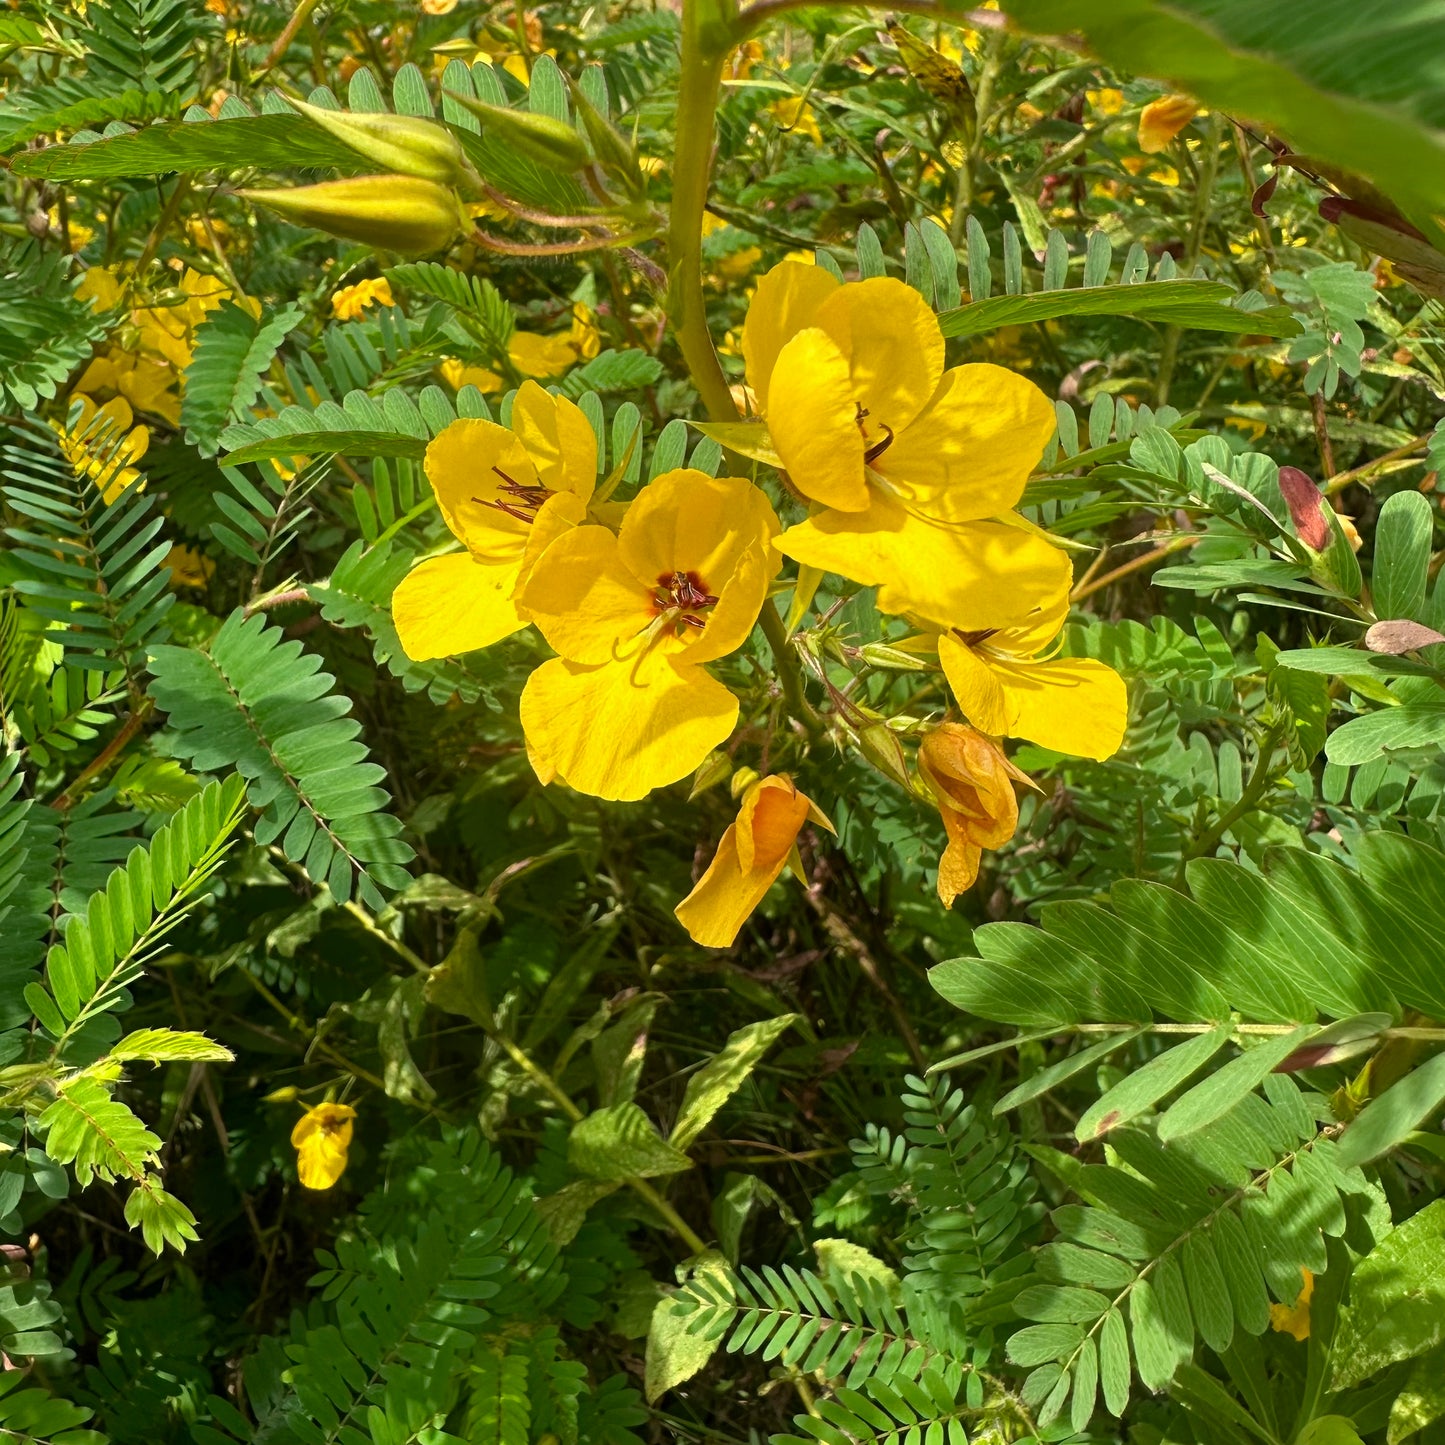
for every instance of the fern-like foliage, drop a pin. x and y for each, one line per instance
(482, 310)
(253, 701)
(358, 594)
(90, 568)
(1176, 1245)
(68, 1091)
(420, 1299)
(233, 349)
(261, 520)
(142, 43)
(45, 331)
(31, 1416)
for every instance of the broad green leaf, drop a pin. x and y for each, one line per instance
(723, 1075)
(1329, 1430)
(1421, 1400)
(1196, 304)
(1411, 725)
(621, 1143)
(1402, 556)
(1352, 83)
(675, 1354)
(1385, 1121)
(458, 984)
(1349, 661)
(1215, 1096)
(1114, 1372)
(748, 438)
(1143, 1088)
(841, 1259)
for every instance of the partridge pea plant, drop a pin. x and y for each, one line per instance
(721, 722)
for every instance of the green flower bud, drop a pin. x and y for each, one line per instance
(394, 213)
(879, 654)
(614, 154)
(406, 144)
(549, 142)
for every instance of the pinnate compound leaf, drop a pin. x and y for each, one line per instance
(674, 1352)
(233, 349)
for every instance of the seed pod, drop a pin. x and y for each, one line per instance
(405, 144)
(541, 138)
(394, 213)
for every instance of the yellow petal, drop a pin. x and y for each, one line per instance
(622, 729)
(558, 438)
(894, 348)
(544, 356)
(957, 869)
(970, 451)
(558, 515)
(585, 600)
(467, 465)
(813, 419)
(1161, 120)
(750, 857)
(454, 604)
(784, 303)
(971, 576)
(320, 1162)
(716, 528)
(977, 690)
(1074, 705)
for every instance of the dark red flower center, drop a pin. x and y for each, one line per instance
(685, 595)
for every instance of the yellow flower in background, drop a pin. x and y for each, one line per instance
(628, 705)
(350, 302)
(101, 444)
(321, 1139)
(1161, 120)
(81, 235)
(907, 462)
(1107, 100)
(458, 374)
(147, 385)
(795, 116)
(972, 783)
(737, 265)
(751, 856)
(1295, 1319)
(438, 7)
(188, 567)
(506, 493)
(541, 356)
(169, 331)
(1007, 688)
(584, 337)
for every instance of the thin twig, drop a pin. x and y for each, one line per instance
(1178, 544)
(106, 756)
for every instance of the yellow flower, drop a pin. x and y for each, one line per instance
(972, 783)
(458, 374)
(438, 7)
(1295, 1319)
(629, 706)
(908, 462)
(541, 356)
(101, 444)
(188, 567)
(321, 1139)
(1161, 120)
(505, 494)
(1074, 705)
(1107, 100)
(81, 235)
(584, 337)
(739, 264)
(751, 855)
(350, 302)
(146, 384)
(794, 115)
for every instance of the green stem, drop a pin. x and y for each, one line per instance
(708, 34)
(1254, 790)
(786, 664)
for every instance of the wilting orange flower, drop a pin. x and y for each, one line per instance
(751, 856)
(972, 783)
(1295, 1319)
(321, 1139)
(1161, 120)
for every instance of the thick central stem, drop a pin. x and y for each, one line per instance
(707, 37)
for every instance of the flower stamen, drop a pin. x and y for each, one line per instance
(525, 501)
